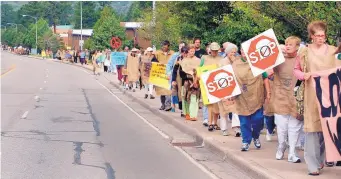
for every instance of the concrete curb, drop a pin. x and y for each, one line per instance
(251, 167)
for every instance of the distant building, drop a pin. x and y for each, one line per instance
(132, 34)
(75, 36)
(62, 31)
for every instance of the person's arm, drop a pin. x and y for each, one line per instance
(175, 73)
(298, 72)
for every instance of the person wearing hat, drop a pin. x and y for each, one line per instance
(213, 109)
(145, 66)
(163, 56)
(132, 68)
(228, 109)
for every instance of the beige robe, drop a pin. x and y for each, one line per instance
(224, 107)
(163, 59)
(144, 76)
(315, 63)
(252, 97)
(209, 60)
(284, 102)
(133, 68)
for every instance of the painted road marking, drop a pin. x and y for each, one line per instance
(10, 69)
(24, 116)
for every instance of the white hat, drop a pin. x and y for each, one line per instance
(149, 49)
(134, 50)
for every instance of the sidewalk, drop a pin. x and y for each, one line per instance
(260, 163)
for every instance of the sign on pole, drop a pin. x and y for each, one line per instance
(220, 84)
(115, 42)
(81, 43)
(263, 52)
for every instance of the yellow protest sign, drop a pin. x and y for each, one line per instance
(158, 76)
(200, 71)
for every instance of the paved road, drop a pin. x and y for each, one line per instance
(59, 123)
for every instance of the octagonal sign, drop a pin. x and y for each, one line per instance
(263, 52)
(220, 84)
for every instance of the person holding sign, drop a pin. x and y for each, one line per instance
(145, 66)
(191, 91)
(249, 103)
(132, 68)
(318, 56)
(288, 126)
(163, 57)
(227, 106)
(213, 109)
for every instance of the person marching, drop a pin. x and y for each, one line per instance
(213, 109)
(163, 56)
(226, 107)
(284, 102)
(318, 56)
(249, 103)
(147, 59)
(191, 90)
(132, 68)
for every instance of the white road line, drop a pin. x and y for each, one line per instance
(200, 166)
(137, 114)
(45, 81)
(24, 115)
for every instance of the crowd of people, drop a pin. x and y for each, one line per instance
(73, 56)
(270, 98)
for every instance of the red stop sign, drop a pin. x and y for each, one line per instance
(263, 52)
(220, 83)
(115, 42)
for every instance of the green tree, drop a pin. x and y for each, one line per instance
(8, 15)
(49, 41)
(30, 36)
(136, 10)
(90, 14)
(9, 37)
(106, 27)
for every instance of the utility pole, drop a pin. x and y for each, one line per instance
(81, 44)
(153, 22)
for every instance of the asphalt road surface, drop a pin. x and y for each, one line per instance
(58, 122)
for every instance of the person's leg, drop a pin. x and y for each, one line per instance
(257, 121)
(193, 107)
(245, 126)
(270, 123)
(294, 127)
(146, 88)
(163, 101)
(322, 153)
(223, 123)
(205, 115)
(235, 125)
(282, 122)
(312, 152)
(168, 103)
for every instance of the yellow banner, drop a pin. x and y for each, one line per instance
(200, 71)
(158, 76)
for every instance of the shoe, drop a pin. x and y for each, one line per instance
(216, 127)
(338, 163)
(329, 164)
(173, 110)
(280, 154)
(168, 109)
(133, 90)
(182, 115)
(193, 119)
(162, 108)
(257, 143)
(152, 97)
(205, 124)
(225, 133)
(237, 134)
(210, 128)
(294, 159)
(145, 96)
(187, 117)
(245, 147)
(268, 136)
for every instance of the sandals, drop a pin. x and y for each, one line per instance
(210, 128)
(314, 174)
(216, 127)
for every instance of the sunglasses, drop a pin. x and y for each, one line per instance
(321, 36)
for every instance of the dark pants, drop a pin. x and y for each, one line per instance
(75, 59)
(119, 72)
(82, 60)
(251, 125)
(270, 123)
(180, 105)
(105, 68)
